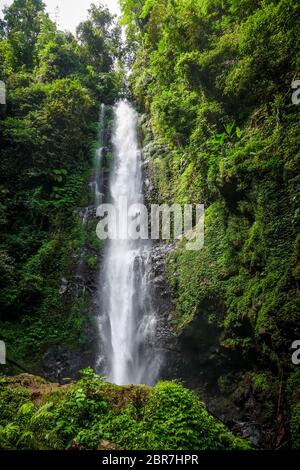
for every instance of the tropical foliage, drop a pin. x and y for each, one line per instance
(54, 85)
(92, 414)
(213, 79)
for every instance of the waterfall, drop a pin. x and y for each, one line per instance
(97, 182)
(126, 318)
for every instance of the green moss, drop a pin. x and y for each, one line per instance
(91, 261)
(261, 382)
(246, 272)
(295, 426)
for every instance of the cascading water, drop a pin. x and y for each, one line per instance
(97, 182)
(126, 317)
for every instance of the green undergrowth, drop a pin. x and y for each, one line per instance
(93, 414)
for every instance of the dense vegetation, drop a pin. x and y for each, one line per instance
(213, 79)
(54, 85)
(93, 414)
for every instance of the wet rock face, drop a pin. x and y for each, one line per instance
(82, 280)
(63, 286)
(60, 363)
(65, 361)
(195, 357)
(162, 302)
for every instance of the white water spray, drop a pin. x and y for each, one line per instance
(126, 318)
